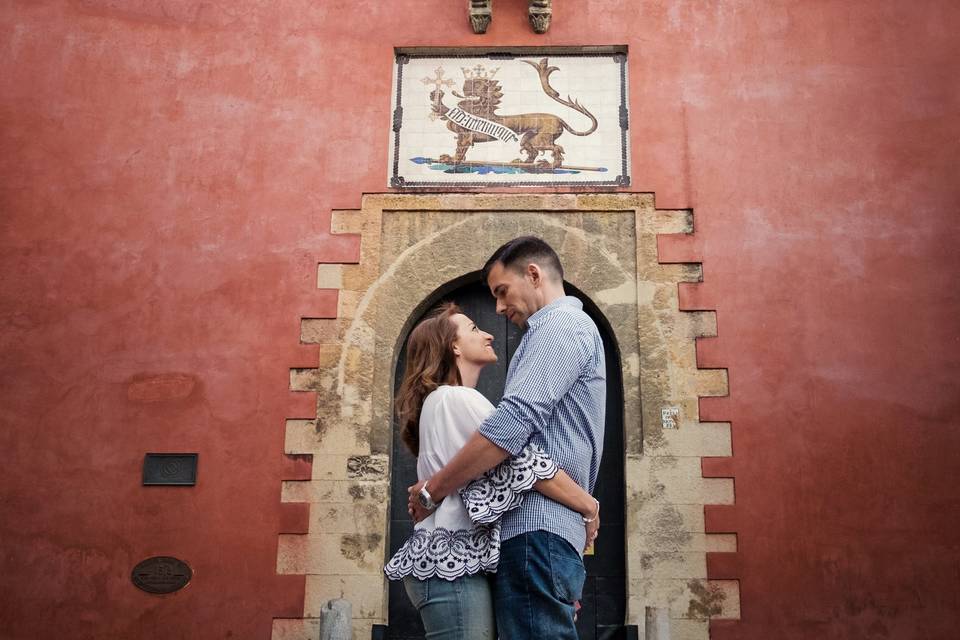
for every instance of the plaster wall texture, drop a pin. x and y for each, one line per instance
(169, 169)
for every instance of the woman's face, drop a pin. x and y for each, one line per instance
(472, 344)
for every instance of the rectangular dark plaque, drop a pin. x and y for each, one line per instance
(170, 469)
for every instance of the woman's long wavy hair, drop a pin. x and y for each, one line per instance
(430, 363)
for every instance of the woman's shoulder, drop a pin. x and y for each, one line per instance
(454, 395)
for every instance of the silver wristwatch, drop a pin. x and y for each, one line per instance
(425, 500)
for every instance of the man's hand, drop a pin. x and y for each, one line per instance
(593, 530)
(416, 510)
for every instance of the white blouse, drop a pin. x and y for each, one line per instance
(462, 536)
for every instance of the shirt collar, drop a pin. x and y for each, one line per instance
(542, 313)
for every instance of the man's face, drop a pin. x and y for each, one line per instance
(515, 293)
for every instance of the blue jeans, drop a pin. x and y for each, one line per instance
(460, 609)
(539, 577)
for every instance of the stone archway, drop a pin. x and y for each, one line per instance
(410, 246)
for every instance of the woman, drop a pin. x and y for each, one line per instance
(443, 564)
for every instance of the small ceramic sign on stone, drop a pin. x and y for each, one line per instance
(518, 117)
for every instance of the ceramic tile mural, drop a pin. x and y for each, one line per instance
(510, 118)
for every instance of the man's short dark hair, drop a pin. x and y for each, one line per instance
(520, 252)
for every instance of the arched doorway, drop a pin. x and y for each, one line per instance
(604, 596)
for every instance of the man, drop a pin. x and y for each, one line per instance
(555, 397)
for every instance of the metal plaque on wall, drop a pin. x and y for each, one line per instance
(161, 574)
(177, 469)
(525, 116)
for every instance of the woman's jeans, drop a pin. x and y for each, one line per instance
(460, 609)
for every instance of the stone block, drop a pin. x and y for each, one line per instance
(690, 439)
(320, 330)
(720, 543)
(686, 629)
(346, 221)
(673, 539)
(295, 629)
(336, 491)
(670, 520)
(303, 379)
(331, 554)
(658, 564)
(676, 480)
(661, 221)
(320, 438)
(362, 516)
(711, 382)
(692, 599)
(703, 325)
(329, 276)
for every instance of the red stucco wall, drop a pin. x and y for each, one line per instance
(168, 169)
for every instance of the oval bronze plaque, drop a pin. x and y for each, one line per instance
(161, 574)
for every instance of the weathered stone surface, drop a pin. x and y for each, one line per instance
(692, 599)
(337, 554)
(326, 491)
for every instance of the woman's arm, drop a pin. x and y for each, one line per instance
(561, 488)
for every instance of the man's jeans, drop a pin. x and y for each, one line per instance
(458, 609)
(539, 577)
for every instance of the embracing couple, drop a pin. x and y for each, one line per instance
(503, 504)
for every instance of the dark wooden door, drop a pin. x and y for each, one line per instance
(604, 595)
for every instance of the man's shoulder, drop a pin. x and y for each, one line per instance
(567, 317)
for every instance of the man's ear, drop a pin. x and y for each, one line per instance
(536, 276)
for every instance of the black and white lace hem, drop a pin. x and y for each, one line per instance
(503, 487)
(446, 554)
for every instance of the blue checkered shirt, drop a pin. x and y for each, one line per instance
(555, 397)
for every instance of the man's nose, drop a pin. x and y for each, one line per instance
(500, 308)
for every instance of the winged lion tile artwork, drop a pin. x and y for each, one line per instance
(496, 126)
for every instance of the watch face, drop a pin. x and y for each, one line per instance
(423, 501)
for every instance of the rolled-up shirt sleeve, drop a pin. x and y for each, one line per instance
(555, 354)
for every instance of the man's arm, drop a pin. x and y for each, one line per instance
(553, 360)
(552, 363)
(477, 456)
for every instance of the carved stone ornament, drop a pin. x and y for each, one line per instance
(540, 13)
(481, 12)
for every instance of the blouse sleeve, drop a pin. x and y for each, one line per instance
(502, 488)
